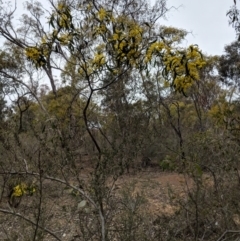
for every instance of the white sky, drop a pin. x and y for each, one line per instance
(206, 20)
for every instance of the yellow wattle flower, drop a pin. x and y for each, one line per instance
(102, 14)
(19, 190)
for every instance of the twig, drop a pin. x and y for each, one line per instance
(228, 231)
(30, 221)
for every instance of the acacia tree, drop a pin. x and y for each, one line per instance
(99, 46)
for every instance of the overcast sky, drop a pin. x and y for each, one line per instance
(206, 20)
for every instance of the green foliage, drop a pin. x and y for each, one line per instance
(167, 164)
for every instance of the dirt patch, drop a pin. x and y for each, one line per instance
(156, 187)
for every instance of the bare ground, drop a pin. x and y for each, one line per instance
(156, 186)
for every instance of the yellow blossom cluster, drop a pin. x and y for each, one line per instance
(60, 6)
(184, 66)
(127, 40)
(64, 17)
(153, 48)
(102, 14)
(33, 53)
(36, 55)
(65, 38)
(98, 60)
(19, 190)
(182, 83)
(123, 34)
(101, 29)
(93, 65)
(63, 21)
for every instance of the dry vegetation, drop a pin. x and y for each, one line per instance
(138, 142)
(62, 212)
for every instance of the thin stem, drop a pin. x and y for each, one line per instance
(30, 221)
